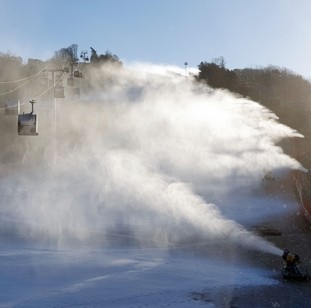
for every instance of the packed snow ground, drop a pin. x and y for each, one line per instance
(124, 277)
(126, 274)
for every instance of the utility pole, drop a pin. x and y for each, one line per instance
(186, 69)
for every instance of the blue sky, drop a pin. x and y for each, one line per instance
(247, 33)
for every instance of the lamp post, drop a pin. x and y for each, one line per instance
(186, 69)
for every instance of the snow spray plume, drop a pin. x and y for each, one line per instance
(141, 157)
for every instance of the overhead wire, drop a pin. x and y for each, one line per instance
(23, 84)
(56, 84)
(50, 88)
(20, 86)
(29, 79)
(18, 80)
(39, 95)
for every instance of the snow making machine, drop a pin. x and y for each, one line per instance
(291, 270)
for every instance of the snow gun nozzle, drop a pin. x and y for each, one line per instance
(290, 258)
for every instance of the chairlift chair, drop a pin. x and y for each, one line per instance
(28, 123)
(77, 74)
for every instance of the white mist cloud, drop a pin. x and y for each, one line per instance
(146, 158)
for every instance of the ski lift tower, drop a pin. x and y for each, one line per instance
(58, 93)
(54, 71)
(84, 56)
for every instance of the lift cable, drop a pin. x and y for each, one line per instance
(19, 80)
(23, 84)
(44, 92)
(50, 88)
(28, 79)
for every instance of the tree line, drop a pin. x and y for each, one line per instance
(284, 92)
